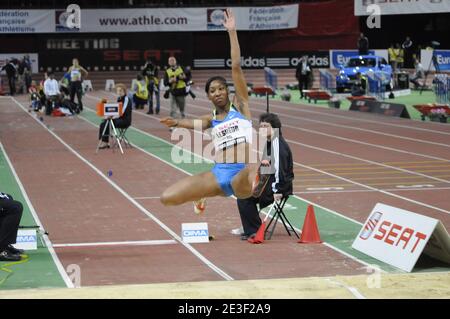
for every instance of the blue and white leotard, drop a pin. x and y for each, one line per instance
(232, 130)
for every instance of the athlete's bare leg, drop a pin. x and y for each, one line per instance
(242, 183)
(192, 188)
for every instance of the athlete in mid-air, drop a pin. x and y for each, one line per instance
(232, 174)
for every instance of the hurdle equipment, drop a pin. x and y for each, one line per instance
(327, 81)
(441, 88)
(270, 88)
(109, 85)
(310, 231)
(317, 95)
(376, 84)
(87, 85)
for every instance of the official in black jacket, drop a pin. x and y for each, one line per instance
(10, 215)
(11, 73)
(303, 73)
(122, 122)
(279, 156)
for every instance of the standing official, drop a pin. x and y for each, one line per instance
(302, 74)
(11, 73)
(363, 44)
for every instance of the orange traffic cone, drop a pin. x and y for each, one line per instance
(259, 237)
(310, 231)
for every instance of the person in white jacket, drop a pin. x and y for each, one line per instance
(52, 93)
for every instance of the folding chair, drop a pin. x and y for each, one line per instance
(122, 137)
(279, 215)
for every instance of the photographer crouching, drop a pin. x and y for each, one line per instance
(174, 78)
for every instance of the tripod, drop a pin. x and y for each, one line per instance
(436, 67)
(111, 135)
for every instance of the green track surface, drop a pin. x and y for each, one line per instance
(40, 270)
(414, 98)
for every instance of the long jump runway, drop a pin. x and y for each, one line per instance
(116, 230)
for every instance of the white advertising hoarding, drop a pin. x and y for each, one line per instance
(388, 7)
(148, 20)
(27, 21)
(398, 237)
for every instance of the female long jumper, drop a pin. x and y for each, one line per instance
(231, 126)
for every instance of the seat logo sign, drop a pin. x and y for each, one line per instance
(369, 227)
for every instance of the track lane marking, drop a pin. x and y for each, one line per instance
(295, 107)
(119, 243)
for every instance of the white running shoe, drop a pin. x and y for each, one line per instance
(237, 231)
(200, 206)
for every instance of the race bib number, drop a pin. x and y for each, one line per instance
(232, 132)
(75, 75)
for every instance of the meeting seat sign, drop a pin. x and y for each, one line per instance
(399, 237)
(146, 19)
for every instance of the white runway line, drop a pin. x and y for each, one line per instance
(373, 191)
(120, 243)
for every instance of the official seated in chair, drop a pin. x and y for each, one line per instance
(123, 121)
(278, 154)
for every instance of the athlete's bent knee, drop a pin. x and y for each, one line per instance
(169, 199)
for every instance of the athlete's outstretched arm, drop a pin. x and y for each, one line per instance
(188, 123)
(238, 75)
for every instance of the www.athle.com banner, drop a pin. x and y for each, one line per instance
(147, 20)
